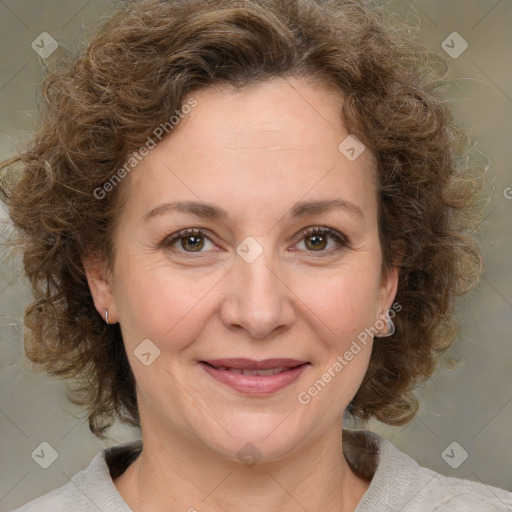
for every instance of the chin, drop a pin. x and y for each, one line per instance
(252, 439)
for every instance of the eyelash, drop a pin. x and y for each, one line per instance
(338, 237)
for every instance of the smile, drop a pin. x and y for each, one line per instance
(253, 381)
(244, 371)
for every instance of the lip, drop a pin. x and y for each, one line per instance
(253, 364)
(255, 385)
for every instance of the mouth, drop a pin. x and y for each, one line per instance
(255, 377)
(245, 371)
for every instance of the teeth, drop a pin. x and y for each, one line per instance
(243, 371)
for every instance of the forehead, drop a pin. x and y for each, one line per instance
(260, 143)
(287, 111)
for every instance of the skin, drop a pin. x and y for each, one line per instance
(255, 153)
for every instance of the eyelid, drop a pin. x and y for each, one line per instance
(171, 239)
(340, 238)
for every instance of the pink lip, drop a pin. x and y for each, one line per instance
(255, 385)
(252, 364)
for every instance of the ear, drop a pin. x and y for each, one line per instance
(100, 283)
(387, 290)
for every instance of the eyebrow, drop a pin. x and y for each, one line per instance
(209, 211)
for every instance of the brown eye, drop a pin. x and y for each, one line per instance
(316, 239)
(190, 241)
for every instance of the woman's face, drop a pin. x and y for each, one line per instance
(251, 284)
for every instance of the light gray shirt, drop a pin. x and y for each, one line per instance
(398, 483)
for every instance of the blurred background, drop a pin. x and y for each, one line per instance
(463, 427)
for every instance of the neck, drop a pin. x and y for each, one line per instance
(183, 475)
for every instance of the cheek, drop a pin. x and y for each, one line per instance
(171, 306)
(161, 305)
(345, 304)
(344, 299)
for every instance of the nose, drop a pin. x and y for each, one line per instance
(258, 299)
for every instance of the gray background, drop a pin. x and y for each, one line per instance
(470, 405)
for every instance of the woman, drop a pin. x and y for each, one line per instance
(242, 221)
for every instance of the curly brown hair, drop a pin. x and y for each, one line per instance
(102, 105)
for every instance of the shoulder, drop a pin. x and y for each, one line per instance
(400, 483)
(58, 500)
(449, 494)
(91, 489)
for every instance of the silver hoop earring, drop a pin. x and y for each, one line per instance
(391, 327)
(106, 315)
